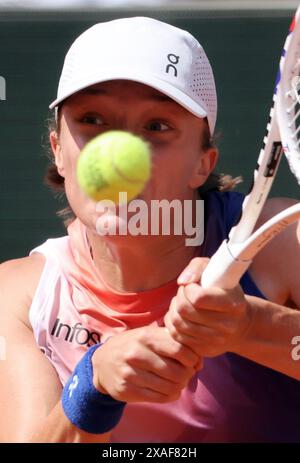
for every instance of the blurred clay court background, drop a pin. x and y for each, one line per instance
(243, 40)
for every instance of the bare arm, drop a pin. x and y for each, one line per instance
(276, 322)
(268, 340)
(214, 321)
(30, 389)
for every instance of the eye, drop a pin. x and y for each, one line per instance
(92, 119)
(157, 126)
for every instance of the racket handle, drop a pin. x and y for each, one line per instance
(223, 270)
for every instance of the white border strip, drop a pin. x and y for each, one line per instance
(171, 5)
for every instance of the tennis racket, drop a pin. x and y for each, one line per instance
(235, 254)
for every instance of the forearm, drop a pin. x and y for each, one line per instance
(268, 339)
(58, 429)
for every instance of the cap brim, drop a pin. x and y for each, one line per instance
(152, 81)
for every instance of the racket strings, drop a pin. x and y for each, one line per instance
(289, 95)
(293, 110)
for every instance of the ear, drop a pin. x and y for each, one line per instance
(57, 152)
(204, 167)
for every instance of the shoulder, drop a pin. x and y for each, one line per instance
(26, 269)
(290, 235)
(277, 266)
(274, 206)
(18, 281)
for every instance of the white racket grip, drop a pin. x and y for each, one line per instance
(223, 270)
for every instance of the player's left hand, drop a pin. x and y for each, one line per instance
(211, 321)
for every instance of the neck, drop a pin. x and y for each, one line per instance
(139, 264)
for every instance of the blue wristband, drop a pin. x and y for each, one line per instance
(86, 407)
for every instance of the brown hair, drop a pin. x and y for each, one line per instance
(52, 178)
(216, 181)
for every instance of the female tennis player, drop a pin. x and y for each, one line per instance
(112, 338)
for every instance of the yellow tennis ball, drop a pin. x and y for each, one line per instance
(114, 162)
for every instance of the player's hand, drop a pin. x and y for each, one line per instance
(211, 321)
(144, 365)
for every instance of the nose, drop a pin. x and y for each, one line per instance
(127, 124)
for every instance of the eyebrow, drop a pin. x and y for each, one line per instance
(159, 97)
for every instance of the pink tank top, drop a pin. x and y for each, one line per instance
(230, 400)
(73, 309)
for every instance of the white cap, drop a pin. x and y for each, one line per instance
(143, 50)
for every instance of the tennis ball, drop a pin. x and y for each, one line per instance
(113, 162)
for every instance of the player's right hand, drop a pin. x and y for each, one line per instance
(144, 365)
